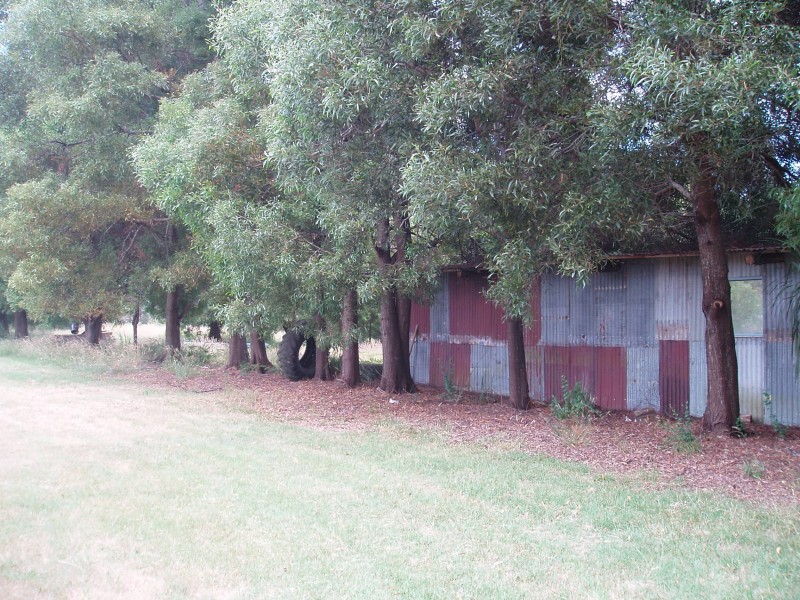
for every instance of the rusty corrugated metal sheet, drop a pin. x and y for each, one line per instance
(440, 312)
(698, 378)
(694, 300)
(582, 315)
(534, 363)
(672, 314)
(640, 294)
(489, 371)
(750, 361)
(471, 313)
(610, 378)
(673, 377)
(611, 303)
(581, 367)
(420, 320)
(556, 366)
(449, 363)
(555, 309)
(779, 283)
(782, 382)
(421, 361)
(642, 377)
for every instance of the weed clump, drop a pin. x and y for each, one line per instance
(680, 436)
(576, 403)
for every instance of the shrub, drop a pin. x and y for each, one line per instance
(576, 403)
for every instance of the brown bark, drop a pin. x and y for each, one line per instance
(215, 331)
(4, 331)
(395, 310)
(722, 408)
(351, 372)
(396, 376)
(517, 370)
(258, 352)
(322, 367)
(94, 329)
(173, 329)
(135, 323)
(237, 351)
(20, 324)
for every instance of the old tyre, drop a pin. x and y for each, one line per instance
(294, 365)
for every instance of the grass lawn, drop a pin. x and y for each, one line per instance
(109, 491)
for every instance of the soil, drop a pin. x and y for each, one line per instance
(763, 467)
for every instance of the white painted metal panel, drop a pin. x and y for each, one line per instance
(489, 369)
(421, 362)
(642, 378)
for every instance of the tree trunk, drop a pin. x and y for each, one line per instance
(215, 331)
(94, 328)
(517, 370)
(4, 324)
(396, 376)
(722, 408)
(258, 352)
(20, 324)
(135, 323)
(322, 367)
(173, 329)
(237, 351)
(351, 372)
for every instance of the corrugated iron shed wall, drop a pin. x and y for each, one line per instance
(634, 337)
(472, 315)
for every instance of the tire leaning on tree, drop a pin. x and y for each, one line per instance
(293, 364)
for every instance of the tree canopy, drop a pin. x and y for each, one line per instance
(323, 151)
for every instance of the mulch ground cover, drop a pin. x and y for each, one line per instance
(763, 467)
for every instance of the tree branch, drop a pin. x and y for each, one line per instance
(680, 189)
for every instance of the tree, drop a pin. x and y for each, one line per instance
(338, 128)
(700, 123)
(74, 219)
(506, 93)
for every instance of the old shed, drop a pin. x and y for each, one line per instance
(633, 336)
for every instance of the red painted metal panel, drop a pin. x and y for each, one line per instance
(449, 361)
(533, 333)
(610, 378)
(581, 367)
(673, 377)
(420, 319)
(471, 314)
(602, 371)
(556, 366)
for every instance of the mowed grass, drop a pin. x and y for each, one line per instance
(111, 491)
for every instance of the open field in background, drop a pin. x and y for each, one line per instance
(111, 490)
(153, 332)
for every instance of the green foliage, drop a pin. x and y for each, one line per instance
(754, 469)
(575, 403)
(739, 430)
(451, 392)
(769, 412)
(680, 436)
(185, 362)
(692, 80)
(77, 230)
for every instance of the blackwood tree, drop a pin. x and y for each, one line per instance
(699, 122)
(506, 91)
(90, 77)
